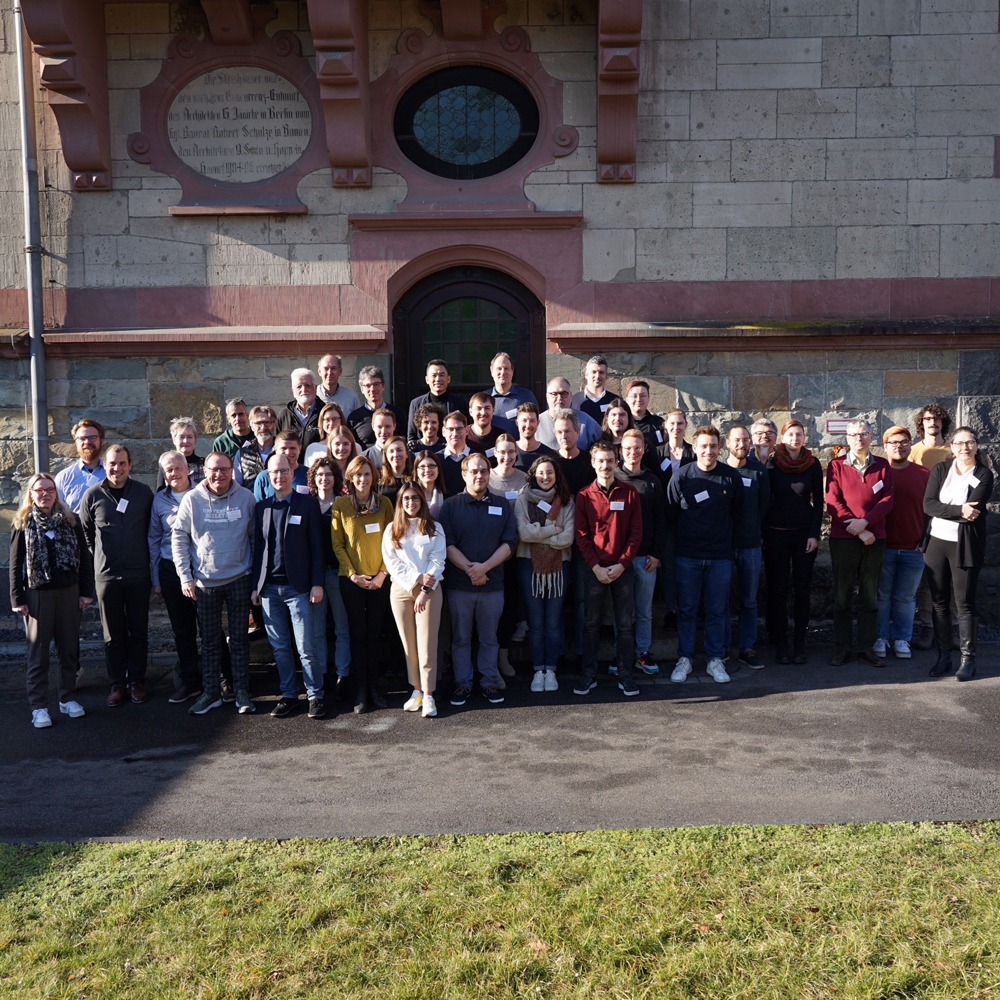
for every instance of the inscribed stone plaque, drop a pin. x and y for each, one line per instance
(239, 124)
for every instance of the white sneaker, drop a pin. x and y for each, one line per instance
(717, 671)
(879, 648)
(40, 718)
(551, 684)
(429, 708)
(902, 649)
(538, 681)
(680, 673)
(414, 702)
(72, 708)
(520, 632)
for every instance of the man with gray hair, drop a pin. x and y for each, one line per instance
(238, 432)
(594, 398)
(371, 382)
(329, 390)
(249, 461)
(302, 413)
(764, 434)
(858, 496)
(558, 394)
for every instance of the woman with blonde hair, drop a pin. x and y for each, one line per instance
(343, 448)
(414, 552)
(51, 582)
(330, 418)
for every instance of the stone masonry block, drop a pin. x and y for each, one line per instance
(758, 362)
(969, 251)
(571, 65)
(951, 17)
(724, 19)
(848, 203)
(653, 205)
(855, 389)
(886, 158)
(128, 423)
(937, 360)
(665, 19)
(682, 65)
(806, 392)
(740, 114)
(760, 392)
(856, 62)
(757, 64)
(830, 113)
(781, 253)
(923, 383)
(126, 18)
(888, 17)
(670, 363)
(701, 392)
(888, 251)
(945, 60)
(970, 156)
(778, 159)
(681, 255)
(555, 197)
(953, 202)
(978, 373)
(606, 252)
(217, 369)
(109, 370)
(203, 401)
(154, 202)
(800, 18)
(982, 414)
(580, 103)
(755, 203)
(957, 111)
(887, 112)
(174, 370)
(262, 391)
(697, 161)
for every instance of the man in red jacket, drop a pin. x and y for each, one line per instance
(858, 497)
(608, 534)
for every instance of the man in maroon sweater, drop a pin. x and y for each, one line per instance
(608, 522)
(858, 497)
(904, 562)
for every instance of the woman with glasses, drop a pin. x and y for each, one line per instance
(414, 552)
(430, 476)
(51, 582)
(330, 418)
(955, 546)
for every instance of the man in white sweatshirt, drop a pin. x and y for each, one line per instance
(211, 545)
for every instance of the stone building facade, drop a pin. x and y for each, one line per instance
(766, 207)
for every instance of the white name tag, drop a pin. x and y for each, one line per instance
(511, 495)
(122, 506)
(877, 486)
(973, 481)
(700, 497)
(510, 414)
(542, 505)
(371, 529)
(295, 519)
(234, 515)
(50, 534)
(170, 520)
(605, 407)
(301, 489)
(615, 504)
(495, 510)
(747, 482)
(659, 437)
(489, 452)
(664, 464)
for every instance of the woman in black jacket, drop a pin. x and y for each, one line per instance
(791, 537)
(51, 582)
(955, 546)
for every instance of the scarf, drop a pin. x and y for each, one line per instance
(786, 463)
(546, 562)
(64, 542)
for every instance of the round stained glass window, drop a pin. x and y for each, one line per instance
(466, 122)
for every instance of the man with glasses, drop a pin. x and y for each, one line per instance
(211, 548)
(371, 382)
(481, 536)
(115, 518)
(438, 380)
(764, 434)
(903, 566)
(329, 390)
(238, 433)
(76, 479)
(250, 460)
(456, 449)
(559, 395)
(286, 443)
(859, 495)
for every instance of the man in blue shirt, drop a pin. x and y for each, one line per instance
(558, 395)
(507, 397)
(286, 443)
(76, 479)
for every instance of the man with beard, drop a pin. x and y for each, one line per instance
(76, 479)
(238, 432)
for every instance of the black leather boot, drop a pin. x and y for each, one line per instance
(799, 644)
(375, 695)
(942, 638)
(360, 690)
(968, 633)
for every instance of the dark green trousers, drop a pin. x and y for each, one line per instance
(853, 561)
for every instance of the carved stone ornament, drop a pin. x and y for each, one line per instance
(238, 125)
(618, 32)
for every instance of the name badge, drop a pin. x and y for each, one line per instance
(510, 414)
(170, 520)
(605, 407)
(371, 529)
(878, 486)
(295, 519)
(664, 464)
(50, 534)
(301, 489)
(511, 494)
(495, 510)
(659, 437)
(747, 482)
(542, 505)
(489, 452)
(122, 506)
(234, 515)
(615, 504)
(973, 481)
(699, 497)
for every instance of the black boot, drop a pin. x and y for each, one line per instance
(360, 690)
(942, 638)
(968, 632)
(375, 695)
(799, 644)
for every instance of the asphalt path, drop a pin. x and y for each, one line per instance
(788, 744)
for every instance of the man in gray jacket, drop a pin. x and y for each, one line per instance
(211, 546)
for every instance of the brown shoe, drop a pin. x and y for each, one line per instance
(840, 657)
(118, 696)
(138, 692)
(871, 659)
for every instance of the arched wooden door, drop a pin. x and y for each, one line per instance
(465, 315)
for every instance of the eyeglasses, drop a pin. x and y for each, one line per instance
(963, 444)
(561, 392)
(43, 491)
(863, 434)
(88, 438)
(897, 444)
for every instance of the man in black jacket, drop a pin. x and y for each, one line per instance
(438, 379)
(302, 413)
(371, 382)
(115, 516)
(288, 575)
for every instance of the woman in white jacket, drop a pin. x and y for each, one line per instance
(413, 548)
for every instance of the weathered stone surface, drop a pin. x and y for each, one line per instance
(203, 401)
(921, 383)
(760, 392)
(174, 369)
(888, 17)
(982, 414)
(978, 373)
(703, 392)
(806, 392)
(606, 252)
(680, 254)
(724, 19)
(758, 362)
(674, 364)
(734, 114)
(229, 368)
(778, 159)
(797, 253)
(854, 390)
(856, 62)
(109, 368)
(888, 251)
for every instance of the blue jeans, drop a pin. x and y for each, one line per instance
(897, 593)
(545, 621)
(579, 571)
(342, 653)
(747, 565)
(287, 613)
(643, 588)
(713, 577)
(481, 608)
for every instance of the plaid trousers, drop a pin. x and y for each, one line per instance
(236, 596)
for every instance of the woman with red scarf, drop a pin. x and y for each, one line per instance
(791, 538)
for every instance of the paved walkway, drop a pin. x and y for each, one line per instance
(787, 744)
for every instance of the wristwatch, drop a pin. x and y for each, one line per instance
(425, 589)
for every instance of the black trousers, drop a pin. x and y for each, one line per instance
(124, 608)
(622, 593)
(785, 558)
(183, 616)
(367, 611)
(946, 578)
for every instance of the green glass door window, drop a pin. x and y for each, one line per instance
(467, 333)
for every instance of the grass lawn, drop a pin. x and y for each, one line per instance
(840, 911)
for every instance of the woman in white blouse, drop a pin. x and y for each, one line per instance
(955, 546)
(413, 548)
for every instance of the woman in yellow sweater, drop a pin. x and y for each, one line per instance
(357, 523)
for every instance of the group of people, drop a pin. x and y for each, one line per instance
(471, 522)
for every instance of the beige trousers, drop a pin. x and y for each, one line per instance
(419, 634)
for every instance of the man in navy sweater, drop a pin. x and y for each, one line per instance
(288, 573)
(705, 498)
